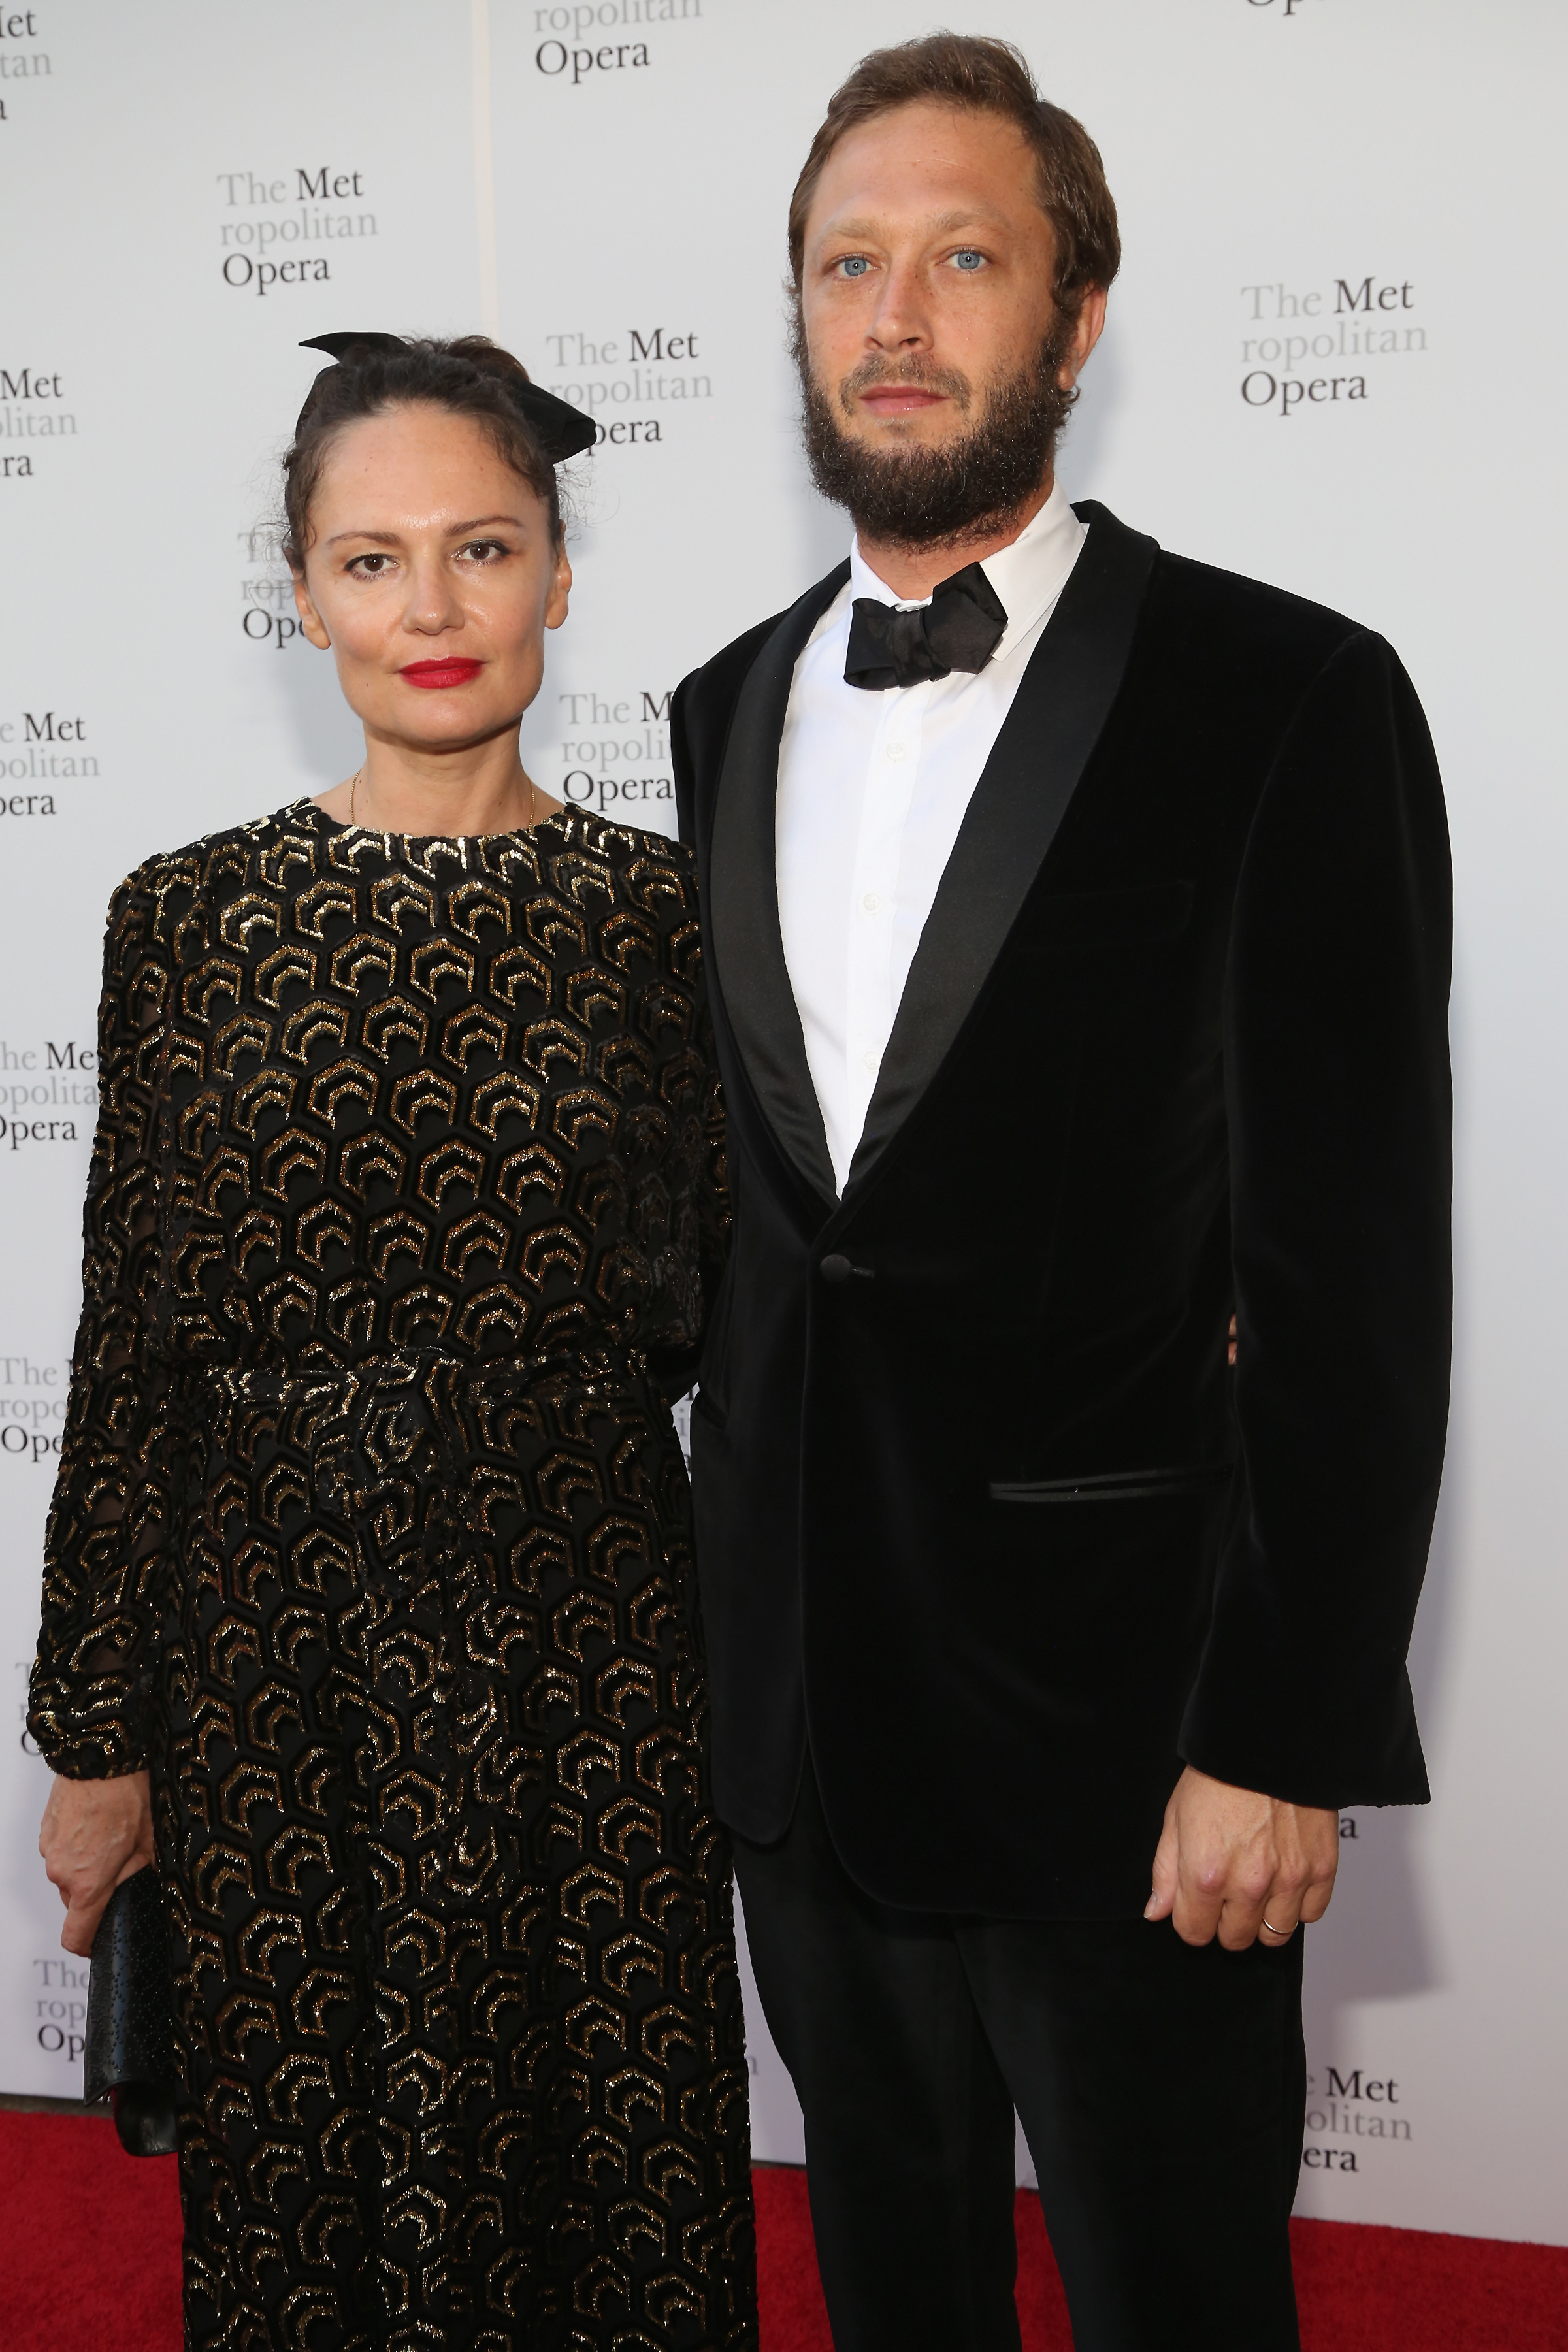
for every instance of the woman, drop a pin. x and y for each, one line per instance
(369, 1603)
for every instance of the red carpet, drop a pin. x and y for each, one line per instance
(1360, 2289)
(89, 2239)
(89, 2243)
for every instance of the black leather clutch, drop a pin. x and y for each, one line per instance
(129, 2042)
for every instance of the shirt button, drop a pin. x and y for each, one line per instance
(870, 1060)
(871, 903)
(895, 750)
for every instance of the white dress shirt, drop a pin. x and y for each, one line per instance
(872, 788)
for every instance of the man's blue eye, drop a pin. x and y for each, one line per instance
(855, 265)
(969, 258)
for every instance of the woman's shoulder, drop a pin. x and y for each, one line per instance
(212, 859)
(622, 845)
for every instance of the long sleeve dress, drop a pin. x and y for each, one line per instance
(371, 1539)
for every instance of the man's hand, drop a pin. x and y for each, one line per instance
(1243, 1866)
(94, 1833)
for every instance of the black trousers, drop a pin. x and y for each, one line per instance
(1161, 2087)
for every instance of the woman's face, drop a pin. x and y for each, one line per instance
(432, 577)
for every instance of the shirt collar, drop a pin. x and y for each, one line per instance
(1028, 575)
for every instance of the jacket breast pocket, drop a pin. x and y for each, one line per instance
(1116, 1485)
(1081, 922)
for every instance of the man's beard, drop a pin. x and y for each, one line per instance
(915, 495)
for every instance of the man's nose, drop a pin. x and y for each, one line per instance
(901, 321)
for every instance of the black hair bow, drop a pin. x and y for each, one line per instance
(563, 431)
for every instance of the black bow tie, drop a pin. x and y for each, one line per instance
(959, 629)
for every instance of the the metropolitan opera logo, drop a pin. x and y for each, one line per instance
(589, 39)
(30, 411)
(48, 1094)
(614, 757)
(37, 748)
(1347, 2110)
(34, 1394)
(284, 228)
(630, 382)
(1311, 348)
(267, 614)
(19, 60)
(59, 1991)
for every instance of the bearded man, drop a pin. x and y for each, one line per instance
(1077, 927)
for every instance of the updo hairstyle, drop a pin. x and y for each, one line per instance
(470, 376)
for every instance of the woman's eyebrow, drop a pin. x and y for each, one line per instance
(453, 531)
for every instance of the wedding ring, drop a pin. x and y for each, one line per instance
(1284, 1933)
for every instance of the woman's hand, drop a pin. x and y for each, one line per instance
(94, 1833)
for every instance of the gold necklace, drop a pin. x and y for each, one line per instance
(533, 797)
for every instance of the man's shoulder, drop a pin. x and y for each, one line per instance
(1240, 617)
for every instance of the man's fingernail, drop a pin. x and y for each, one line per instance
(1149, 1908)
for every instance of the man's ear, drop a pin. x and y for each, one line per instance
(311, 621)
(1087, 330)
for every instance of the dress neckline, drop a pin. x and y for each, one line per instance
(308, 804)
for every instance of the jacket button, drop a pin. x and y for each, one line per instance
(836, 1268)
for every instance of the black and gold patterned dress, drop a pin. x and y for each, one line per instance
(371, 1539)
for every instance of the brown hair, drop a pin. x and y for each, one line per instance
(965, 70)
(469, 375)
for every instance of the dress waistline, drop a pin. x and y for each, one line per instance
(400, 1368)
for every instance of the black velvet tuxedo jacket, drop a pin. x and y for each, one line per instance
(981, 1511)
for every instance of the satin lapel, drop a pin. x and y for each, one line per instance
(1060, 707)
(744, 900)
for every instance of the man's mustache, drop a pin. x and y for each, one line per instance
(922, 373)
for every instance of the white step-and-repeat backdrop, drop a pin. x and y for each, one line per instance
(1336, 360)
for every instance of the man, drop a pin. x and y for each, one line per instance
(1078, 929)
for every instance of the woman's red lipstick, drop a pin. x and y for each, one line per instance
(451, 672)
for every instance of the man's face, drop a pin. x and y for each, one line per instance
(936, 370)
(927, 276)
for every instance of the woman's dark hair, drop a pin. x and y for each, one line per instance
(470, 376)
(988, 77)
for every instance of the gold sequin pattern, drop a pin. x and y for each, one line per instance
(370, 1538)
